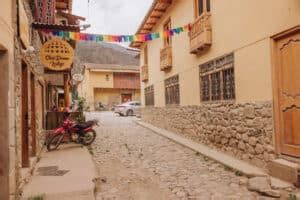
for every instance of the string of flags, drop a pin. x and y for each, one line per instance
(120, 38)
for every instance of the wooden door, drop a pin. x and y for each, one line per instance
(25, 116)
(287, 90)
(4, 132)
(33, 115)
(126, 97)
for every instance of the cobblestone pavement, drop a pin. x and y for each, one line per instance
(135, 163)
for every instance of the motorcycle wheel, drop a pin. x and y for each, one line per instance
(89, 138)
(55, 142)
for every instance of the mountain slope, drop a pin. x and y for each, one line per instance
(105, 53)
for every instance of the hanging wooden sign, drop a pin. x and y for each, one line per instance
(57, 55)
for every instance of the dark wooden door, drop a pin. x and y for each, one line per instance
(287, 60)
(33, 114)
(126, 97)
(4, 132)
(25, 117)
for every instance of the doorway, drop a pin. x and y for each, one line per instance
(287, 92)
(33, 114)
(25, 116)
(4, 148)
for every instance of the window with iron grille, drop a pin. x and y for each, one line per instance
(217, 79)
(149, 96)
(172, 93)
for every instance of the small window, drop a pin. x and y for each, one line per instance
(201, 6)
(217, 79)
(172, 93)
(167, 27)
(149, 96)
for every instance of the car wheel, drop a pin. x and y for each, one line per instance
(129, 113)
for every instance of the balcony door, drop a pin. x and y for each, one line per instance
(201, 6)
(167, 27)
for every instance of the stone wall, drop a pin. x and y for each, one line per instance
(242, 130)
(31, 58)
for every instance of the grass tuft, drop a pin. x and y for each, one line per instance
(38, 197)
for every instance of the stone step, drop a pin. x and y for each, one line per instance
(285, 170)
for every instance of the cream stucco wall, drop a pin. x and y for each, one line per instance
(243, 27)
(110, 96)
(94, 79)
(96, 88)
(6, 31)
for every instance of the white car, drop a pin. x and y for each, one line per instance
(128, 109)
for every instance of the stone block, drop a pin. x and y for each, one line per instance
(284, 170)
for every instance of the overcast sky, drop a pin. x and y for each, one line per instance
(112, 16)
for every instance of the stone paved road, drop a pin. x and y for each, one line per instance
(135, 163)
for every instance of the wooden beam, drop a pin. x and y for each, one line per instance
(66, 90)
(165, 1)
(61, 5)
(150, 24)
(159, 10)
(146, 29)
(155, 17)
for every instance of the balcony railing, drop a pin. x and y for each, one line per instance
(145, 73)
(166, 58)
(201, 34)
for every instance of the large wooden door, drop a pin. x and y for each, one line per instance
(4, 132)
(287, 90)
(33, 115)
(25, 117)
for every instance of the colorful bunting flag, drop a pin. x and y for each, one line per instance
(120, 38)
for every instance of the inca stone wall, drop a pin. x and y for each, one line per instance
(242, 130)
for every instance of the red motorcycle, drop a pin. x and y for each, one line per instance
(70, 131)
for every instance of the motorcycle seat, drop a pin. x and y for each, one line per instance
(84, 125)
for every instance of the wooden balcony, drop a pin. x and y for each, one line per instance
(144, 73)
(166, 58)
(201, 34)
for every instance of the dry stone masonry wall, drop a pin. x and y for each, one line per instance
(242, 130)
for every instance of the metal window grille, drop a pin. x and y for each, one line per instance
(205, 92)
(217, 80)
(228, 84)
(149, 96)
(172, 91)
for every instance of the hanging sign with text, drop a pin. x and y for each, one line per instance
(57, 55)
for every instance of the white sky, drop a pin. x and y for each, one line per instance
(112, 16)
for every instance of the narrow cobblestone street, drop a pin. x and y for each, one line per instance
(135, 163)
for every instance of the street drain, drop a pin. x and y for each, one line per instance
(51, 171)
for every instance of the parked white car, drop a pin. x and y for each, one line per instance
(128, 109)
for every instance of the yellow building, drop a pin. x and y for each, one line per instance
(230, 79)
(108, 85)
